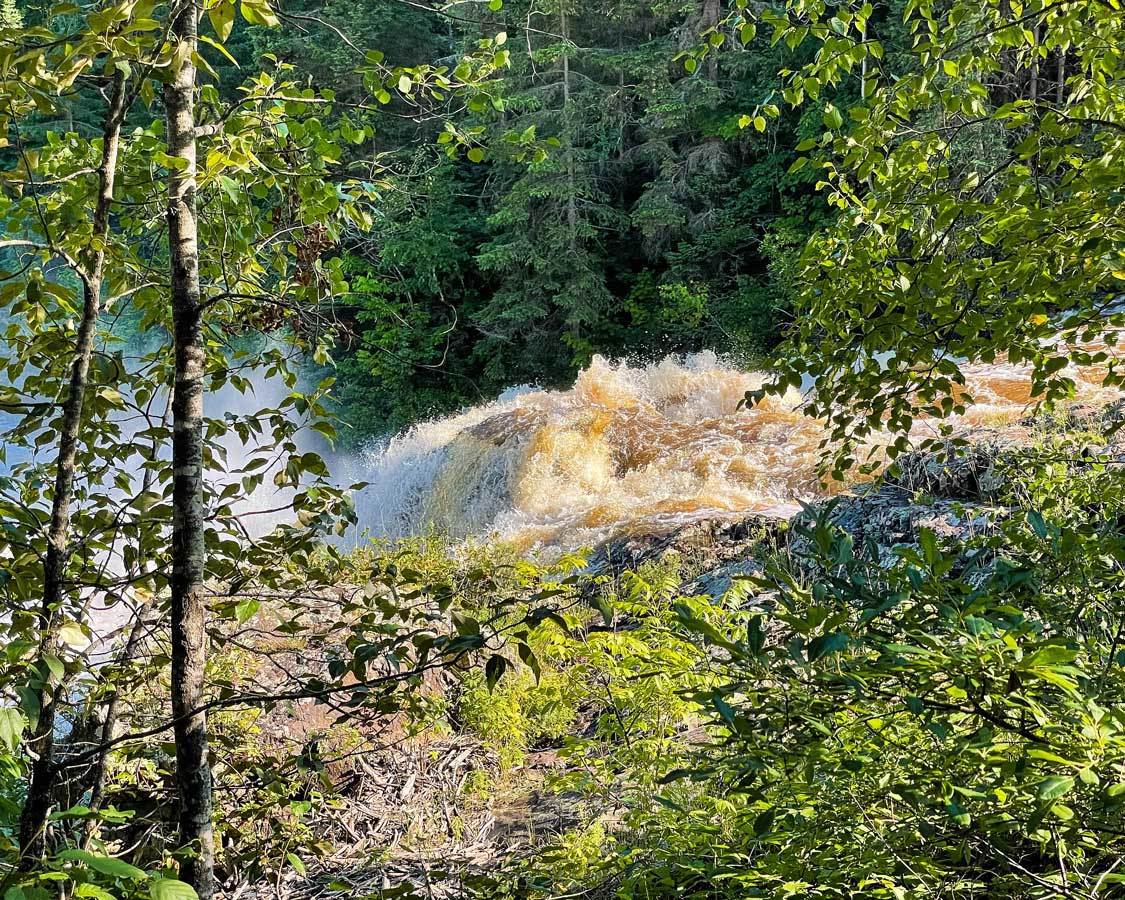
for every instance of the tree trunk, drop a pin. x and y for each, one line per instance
(1006, 90)
(710, 16)
(189, 641)
(863, 66)
(1033, 87)
(1060, 87)
(571, 168)
(33, 818)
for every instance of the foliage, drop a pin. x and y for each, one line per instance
(943, 720)
(979, 203)
(518, 714)
(649, 224)
(946, 725)
(86, 499)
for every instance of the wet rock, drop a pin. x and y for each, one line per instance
(1083, 416)
(718, 581)
(883, 519)
(977, 471)
(721, 540)
(505, 427)
(954, 473)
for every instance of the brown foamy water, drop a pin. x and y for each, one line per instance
(630, 449)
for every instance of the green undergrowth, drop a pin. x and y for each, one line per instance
(942, 722)
(947, 724)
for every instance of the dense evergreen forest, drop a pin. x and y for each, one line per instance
(517, 449)
(653, 226)
(680, 229)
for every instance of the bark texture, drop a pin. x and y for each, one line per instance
(189, 639)
(33, 817)
(710, 16)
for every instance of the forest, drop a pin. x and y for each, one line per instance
(542, 450)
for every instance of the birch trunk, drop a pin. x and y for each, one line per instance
(189, 641)
(33, 817)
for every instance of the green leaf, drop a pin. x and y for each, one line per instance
(1054, 786)
(86, 889)
(73, 635)
(246, 610)
(529, 659)
(826, 644)
(755, 635)
(221, 16)
(29, 701)
(296, 862)
(12, 725)
(211, 42)
(107, 865)
(494, 670)
(172, 889)
(55, 666)
(725, 710)
(258, 12)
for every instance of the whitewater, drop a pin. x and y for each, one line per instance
(629, 449)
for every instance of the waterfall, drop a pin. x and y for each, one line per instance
(628, 448)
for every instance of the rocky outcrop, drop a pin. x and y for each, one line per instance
(954, 473)
(953, 495)
(980, 470)
(880, 520)
(717, 541)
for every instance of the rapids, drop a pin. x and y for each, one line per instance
(627, 449)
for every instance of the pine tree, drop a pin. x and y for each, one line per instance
(10, 15)
(551, 219)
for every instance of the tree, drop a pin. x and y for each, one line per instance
(265, 196)
(651, 225)
(83, 250)
(189, 614)
(547, 250)
(54, 564)
(10, 15)
(977, 212)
